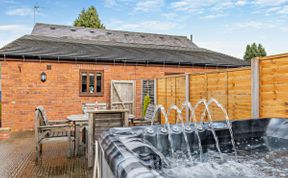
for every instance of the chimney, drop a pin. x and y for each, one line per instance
(191, 37)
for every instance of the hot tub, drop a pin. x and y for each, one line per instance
(260, 150)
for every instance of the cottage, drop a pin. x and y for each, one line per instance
(62, 67)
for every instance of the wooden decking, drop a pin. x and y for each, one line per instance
(17, 159)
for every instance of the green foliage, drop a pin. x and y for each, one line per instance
(254, 51)
(89, 18)
(147, 101)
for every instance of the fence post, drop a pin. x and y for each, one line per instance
(187, 95)
(255, 101)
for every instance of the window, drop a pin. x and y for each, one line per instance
(148, 89)
(91, 83)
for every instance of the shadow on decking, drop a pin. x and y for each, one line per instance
(17, 159)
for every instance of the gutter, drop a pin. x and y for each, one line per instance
(82, 59)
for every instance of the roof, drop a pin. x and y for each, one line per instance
(44, 44)
(68, 32)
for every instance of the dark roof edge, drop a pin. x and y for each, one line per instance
(105, 60)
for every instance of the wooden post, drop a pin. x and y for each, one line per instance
(126, 120)
(90, 139)
(255, 88)
(187, 95)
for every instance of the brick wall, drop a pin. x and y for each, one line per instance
(22, 89)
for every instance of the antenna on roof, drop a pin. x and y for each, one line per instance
(35, 10)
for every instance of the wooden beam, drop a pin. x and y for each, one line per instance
(255, 100)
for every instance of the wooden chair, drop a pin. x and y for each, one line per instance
(50, 131)
(80, 128)
(91, 106)
(147, 118)
(100, 121)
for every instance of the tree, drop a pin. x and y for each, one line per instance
(89, 18)
(254, 51)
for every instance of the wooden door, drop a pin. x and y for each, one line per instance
(123, 95)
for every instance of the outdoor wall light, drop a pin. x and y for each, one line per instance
(43, 77)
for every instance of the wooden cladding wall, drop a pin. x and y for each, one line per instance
(274, 86)
(232, 88)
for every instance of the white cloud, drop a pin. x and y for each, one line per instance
(213, 16)
(213, 5)
(269, 2)
(226, 47)
(10, 32)
(191, 5)
(248, 25)
(20, 12)
(283, 10)
(148, 5)
(175, 17)
(241, 3)
(152, 25)
(276, 26)
(119, 3)
(8, 1)
(13, 28)
(272, 10)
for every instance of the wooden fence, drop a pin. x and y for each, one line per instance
(251, 92)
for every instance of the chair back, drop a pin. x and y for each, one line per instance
(40, 116)
(149, 112)
(91, 106)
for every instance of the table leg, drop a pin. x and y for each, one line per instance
(90, 140)
(75, 138)
(77, 129)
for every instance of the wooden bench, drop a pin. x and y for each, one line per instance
(50, 131)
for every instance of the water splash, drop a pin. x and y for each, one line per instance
(227, 120)
(198, 127)
(189, 106)
(179, 116)
(167, 124)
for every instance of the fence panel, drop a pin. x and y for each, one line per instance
(161, 94)
(171, 97)
(217, 89)
(197, 91)
(181, 93)
(274, 87)
(233, 89)
(239, 94)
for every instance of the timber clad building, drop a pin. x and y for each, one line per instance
(86, 65)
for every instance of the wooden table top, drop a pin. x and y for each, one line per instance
(77, 118)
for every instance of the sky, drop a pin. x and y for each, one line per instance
(225, 26)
